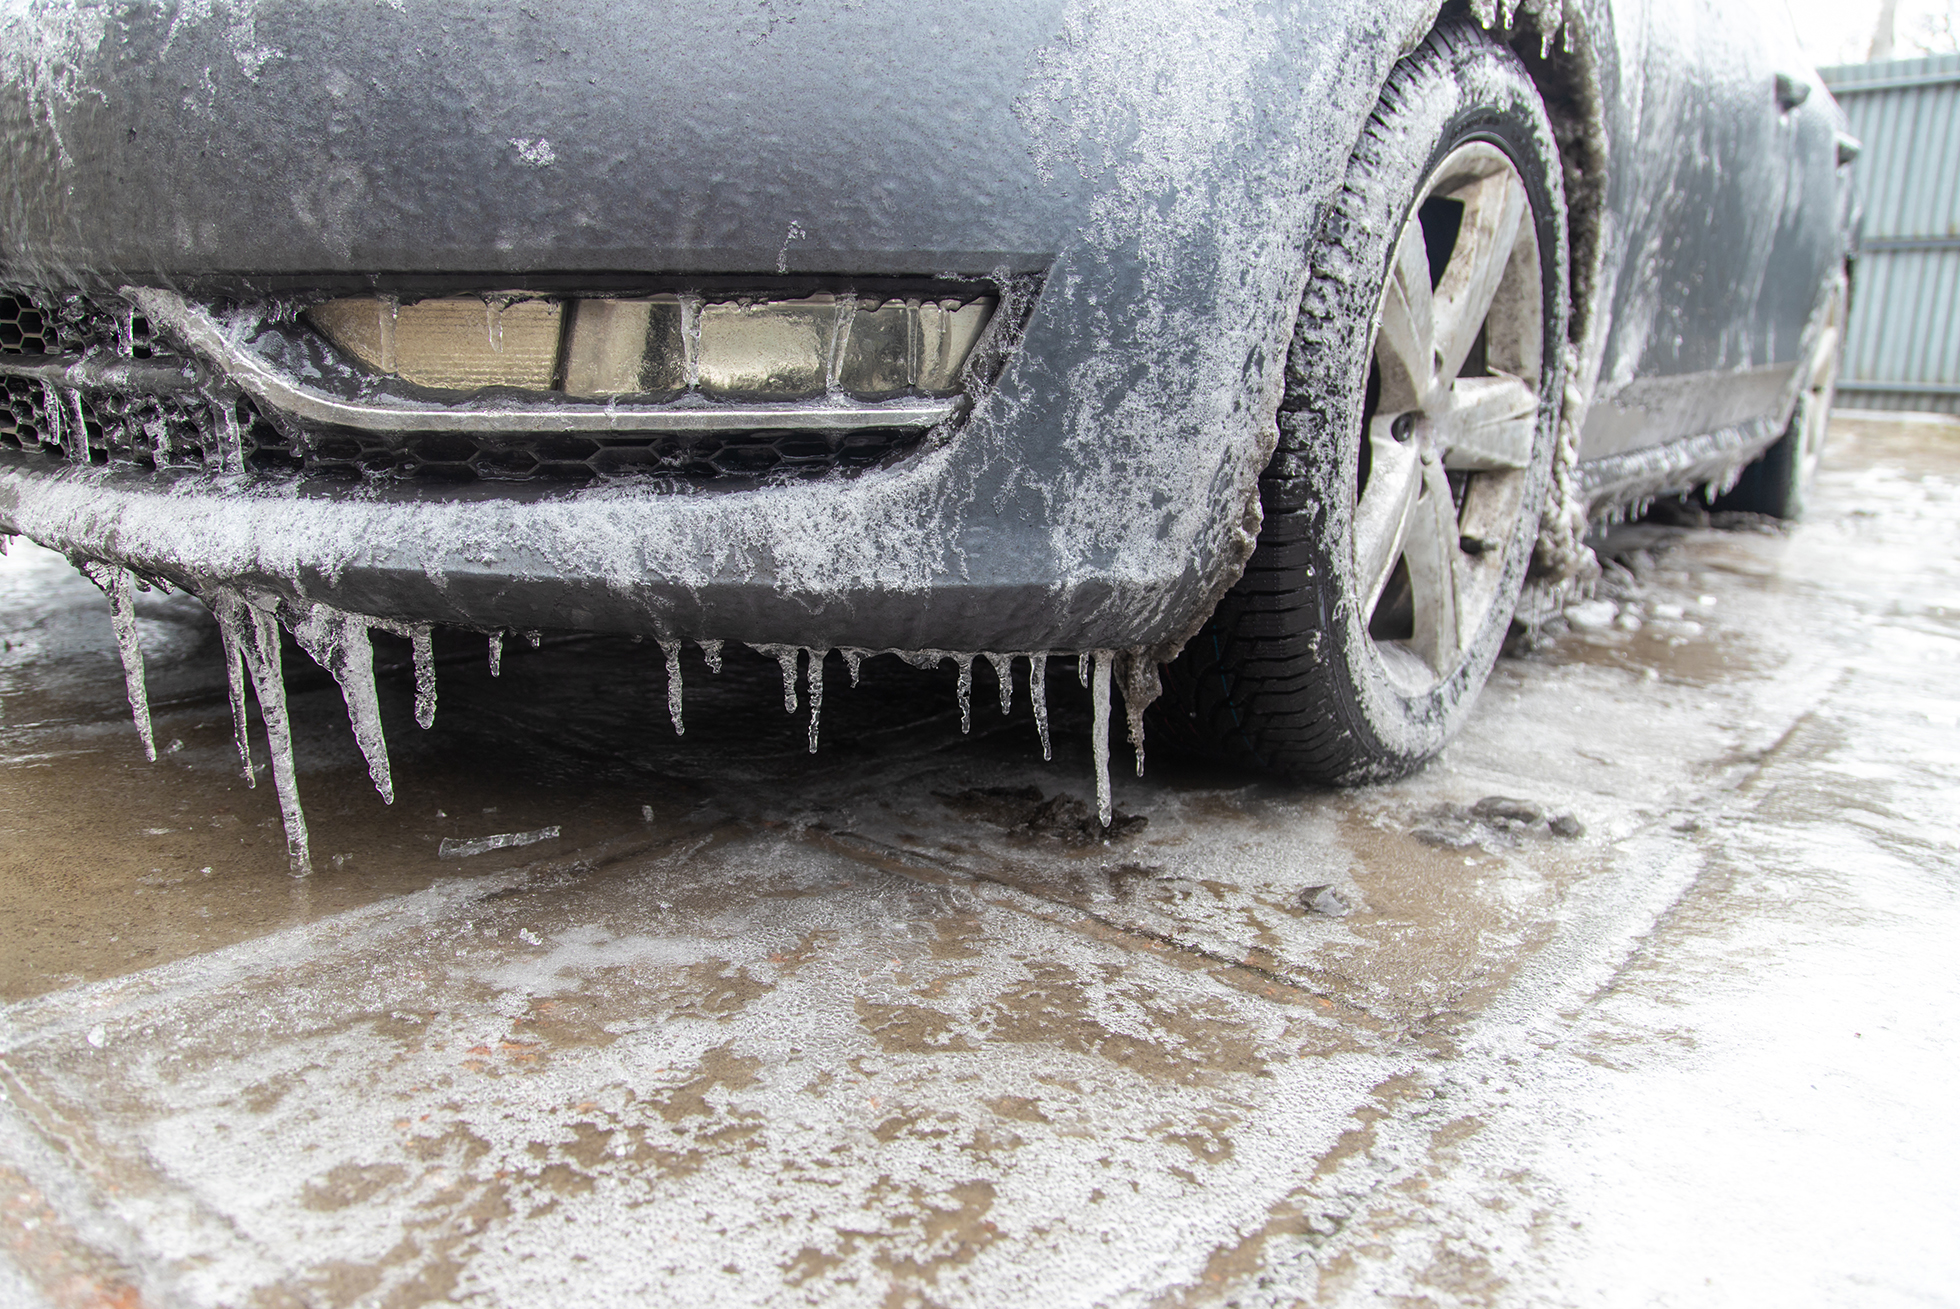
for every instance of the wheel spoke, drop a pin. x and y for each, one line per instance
(1430, 549)
(1405, 343)
(1493, 209)
(1490, 425)
(1381, 519)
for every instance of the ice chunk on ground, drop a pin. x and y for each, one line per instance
(1592, 615)
(454, 848)
(339, 643)
(1325, 900)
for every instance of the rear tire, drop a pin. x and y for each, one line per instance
(1778, 483)
(1415, 439)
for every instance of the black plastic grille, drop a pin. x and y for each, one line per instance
(72, 324)
(445, 457)
(162, 432)
(24, 421)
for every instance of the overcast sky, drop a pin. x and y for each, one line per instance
(1840, 31)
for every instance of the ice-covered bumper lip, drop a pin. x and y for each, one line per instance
(824, 564)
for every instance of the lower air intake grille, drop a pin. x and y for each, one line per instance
(183, 432)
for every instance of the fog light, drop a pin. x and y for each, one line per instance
(772, 350)
(626, 347)
(662, 346)
(461, 344)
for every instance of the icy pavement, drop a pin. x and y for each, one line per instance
(887, 1025)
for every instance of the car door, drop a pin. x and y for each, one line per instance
(1693, 345)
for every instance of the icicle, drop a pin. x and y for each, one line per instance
(256, 634)
(535, 638)
(77, 424)
(6, 542)
(496, 654)
(711, 651)
(813, 685)
(785, 657)
(965, 663)
(1141, 686)
(1082, 668)
(672, 649)
(422, 640)
(119, 584)
(339, 643)
(1038, 693)
(231, 440)
(235, 685)
(1099, 733)
(1004, 674)
(853, 660)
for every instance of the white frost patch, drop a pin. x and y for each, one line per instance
(535, 152)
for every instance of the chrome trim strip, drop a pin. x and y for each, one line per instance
(198, 329)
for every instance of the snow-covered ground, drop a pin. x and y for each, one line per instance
(1668, 1017)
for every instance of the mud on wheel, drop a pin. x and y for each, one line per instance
(1416, 438)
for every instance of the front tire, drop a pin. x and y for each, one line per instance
(1415, 443)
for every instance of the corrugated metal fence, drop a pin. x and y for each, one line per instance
(1902, 350)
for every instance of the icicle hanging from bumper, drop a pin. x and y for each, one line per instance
(496, 654)
(964, 662)
(1004, 674)
(241, 722)
(255, 634)
(711, 652)
(1099, 733)
(421, 639)
(339, 643)
(672, 650)
(119, 584)
(813, 688)
(1141, 686)
(785, 657)
(1038, 693)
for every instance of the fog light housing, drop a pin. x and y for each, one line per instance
(663, 347)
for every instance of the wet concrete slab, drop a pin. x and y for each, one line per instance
(891, 1025)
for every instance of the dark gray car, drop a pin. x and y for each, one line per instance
(1253, 354)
